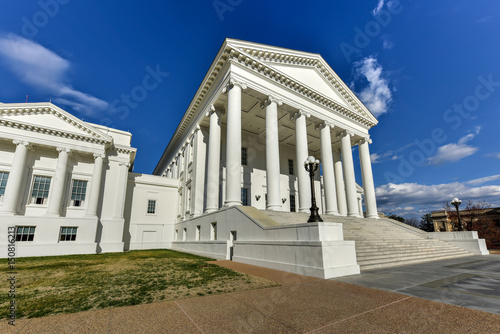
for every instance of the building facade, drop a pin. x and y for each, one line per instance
(64, 184)
(258, 114)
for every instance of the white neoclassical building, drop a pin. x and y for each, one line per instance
(65, 183)
(258, 114)
(231, 183)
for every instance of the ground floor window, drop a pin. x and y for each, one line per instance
(151, 206)
(68, 234)
(292, 203)
(25, 233)
(213, 232)
(244, 196)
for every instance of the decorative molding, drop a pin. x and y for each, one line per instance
(126, 164)
(63, 149)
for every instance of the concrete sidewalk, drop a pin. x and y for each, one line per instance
(300, 305)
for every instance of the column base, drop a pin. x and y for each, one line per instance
(334, 213)
(354, 215)
(274, 208)
(232, 203)
(373, 216)
(210, 210)
(304, 210)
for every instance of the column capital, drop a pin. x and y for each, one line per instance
(63, 149)
(100, 155)
(270, 99)
(196, 128)
(299, 113)
(345, 133)
(365, 140)
(24, 143)
(126, 164)
(213, 109)
(324, 124)
(232, 83)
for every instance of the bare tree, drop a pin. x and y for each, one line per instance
(412, 222)
(473, 212)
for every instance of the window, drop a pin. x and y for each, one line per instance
(213, 232)
(184, 233)
(152, 206)
(292, 203)
(25, 233)
(244, 156)
(244, 196)
(198, 230)
(40, 189)
(68, 234)
(3, 182)
(290, 166)
(78, 192)
(176, 235)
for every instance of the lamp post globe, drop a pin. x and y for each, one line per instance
(456, 202)
(311, 165)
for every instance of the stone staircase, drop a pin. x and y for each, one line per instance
(382, 243)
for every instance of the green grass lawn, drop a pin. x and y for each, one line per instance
(67, 284)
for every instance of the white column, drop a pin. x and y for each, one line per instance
(58, 184)
(272, 155)
(327, 166)
(16, 176)
(233, 143)
(95, 186)
(366, 172)
(349, 178)
(175, 167)
(213, 164)
(339, 183)
(301, 156)
(121, 190)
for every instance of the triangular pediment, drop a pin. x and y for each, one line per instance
(307, 69)
(49, 119)
(310, 77)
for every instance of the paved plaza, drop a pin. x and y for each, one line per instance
(413, 299)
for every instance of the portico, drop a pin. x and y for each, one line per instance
(267, 111)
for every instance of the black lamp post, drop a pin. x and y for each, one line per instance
(311, 165)
(456, 202)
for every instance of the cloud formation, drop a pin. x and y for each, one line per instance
(455, 151)
(43, 69)
(377, 95)
(425, 198)
(379, 7)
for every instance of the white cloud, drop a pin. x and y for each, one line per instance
(379, 7)
(377, 95)
(454, 152)
(482, 180)
(387, 43)
(425, 198)
(43, 69)
(377, 158)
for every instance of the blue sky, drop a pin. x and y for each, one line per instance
(428, 70)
